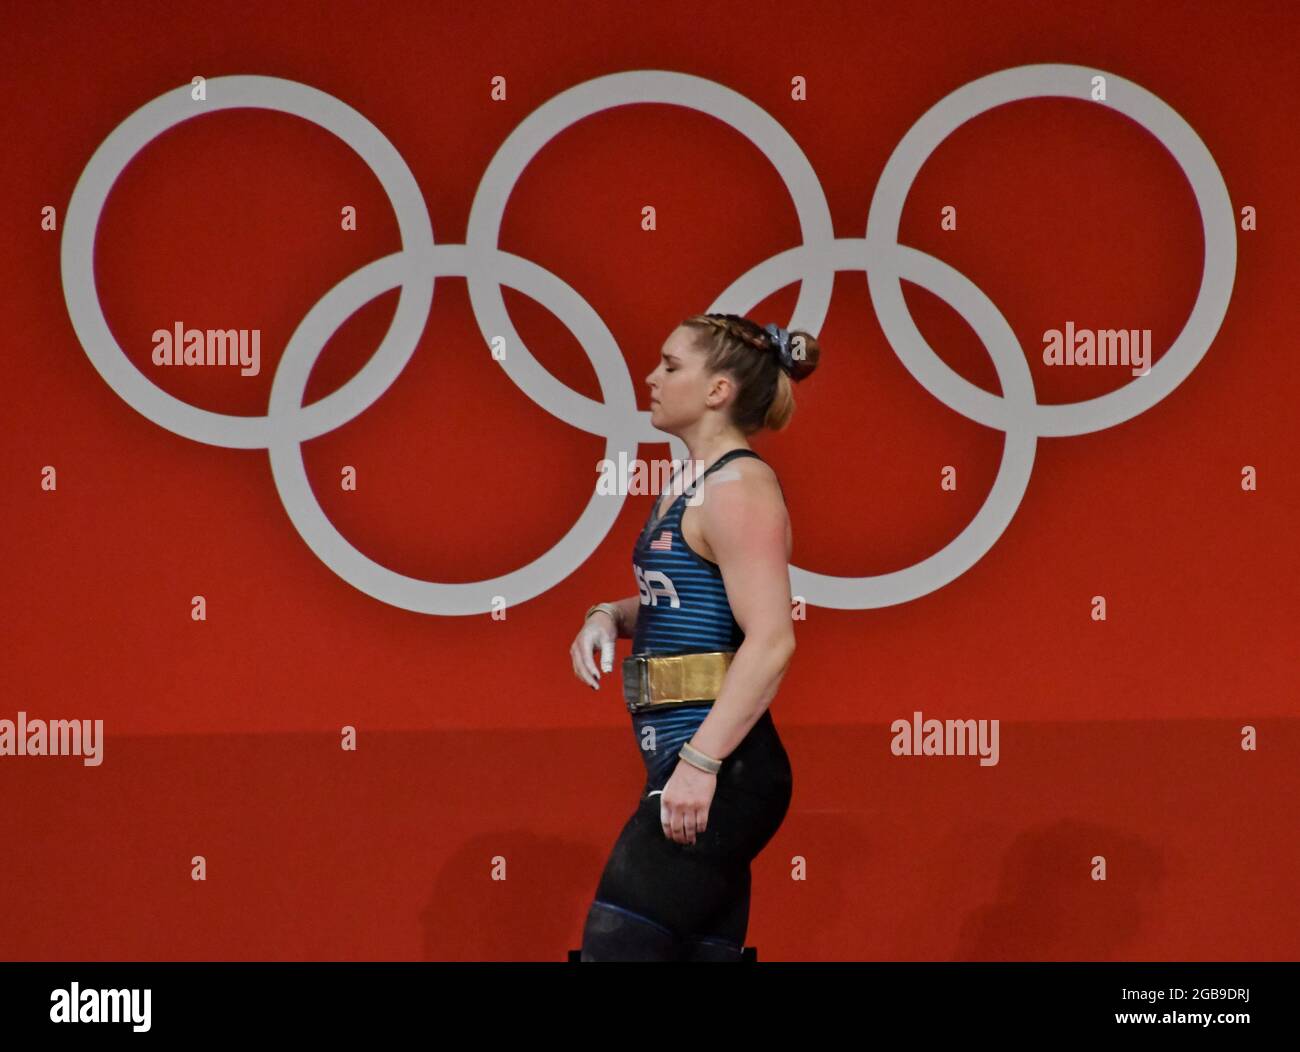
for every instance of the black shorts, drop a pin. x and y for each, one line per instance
(661, 900)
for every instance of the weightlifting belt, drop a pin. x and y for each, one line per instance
(653, 680)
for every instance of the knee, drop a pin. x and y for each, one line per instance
(613, 933)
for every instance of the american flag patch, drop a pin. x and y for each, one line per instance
(663, 543)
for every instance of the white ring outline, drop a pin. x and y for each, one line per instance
(86, 206)
(1217, 221)
(486, 267)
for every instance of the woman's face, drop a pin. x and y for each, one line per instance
(679, 383)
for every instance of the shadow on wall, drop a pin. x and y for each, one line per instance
(531, 915)
(1048, 906)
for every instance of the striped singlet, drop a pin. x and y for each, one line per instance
(684, 609)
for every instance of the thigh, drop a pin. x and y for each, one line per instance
(679, 886)
(705, 886)
(721, 936)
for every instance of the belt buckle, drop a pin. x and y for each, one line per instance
(635, 682)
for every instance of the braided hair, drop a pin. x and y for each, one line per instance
(764, 361)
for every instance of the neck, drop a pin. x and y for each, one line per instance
(706, 442)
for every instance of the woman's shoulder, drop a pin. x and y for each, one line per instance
(753, 474)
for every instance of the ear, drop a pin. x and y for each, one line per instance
(720, 388)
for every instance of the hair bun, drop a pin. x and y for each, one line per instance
(797, 353)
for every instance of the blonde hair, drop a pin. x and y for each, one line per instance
(747, 351)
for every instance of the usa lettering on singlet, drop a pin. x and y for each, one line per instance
(684, 609)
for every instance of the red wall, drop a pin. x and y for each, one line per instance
(1119, 738)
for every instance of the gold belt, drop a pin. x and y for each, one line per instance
(651, 680)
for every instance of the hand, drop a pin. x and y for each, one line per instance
(598, 633)
(684, 805)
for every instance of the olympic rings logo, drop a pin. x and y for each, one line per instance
(486, 267)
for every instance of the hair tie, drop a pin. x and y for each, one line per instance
(781, 340)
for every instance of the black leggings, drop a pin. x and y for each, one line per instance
(659, 900)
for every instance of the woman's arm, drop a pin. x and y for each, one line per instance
(745, 526)
(594, 638)
(625, 623)
(627, 613)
